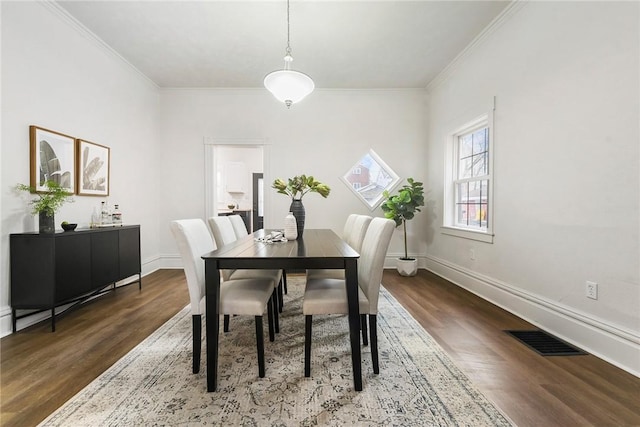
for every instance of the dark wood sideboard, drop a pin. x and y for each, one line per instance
(244, 214)
(50, 270)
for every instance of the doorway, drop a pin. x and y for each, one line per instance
(258, 201)
(230, 166)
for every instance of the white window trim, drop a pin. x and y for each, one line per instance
(448, 226)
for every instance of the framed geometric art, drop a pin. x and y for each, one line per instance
(52, 158)
(93, 168)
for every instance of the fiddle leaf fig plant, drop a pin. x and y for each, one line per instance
(403, 206)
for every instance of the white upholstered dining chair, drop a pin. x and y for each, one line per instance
(329, 295)
(237, 297)
(241, 231)
(354, 231)
(224, 234)
(238, 226)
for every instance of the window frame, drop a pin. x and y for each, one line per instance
(449, 225)
(371, 202)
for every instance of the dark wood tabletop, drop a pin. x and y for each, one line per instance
(317, 248)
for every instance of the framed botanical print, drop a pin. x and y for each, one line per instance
(52, 158)
(93, 168)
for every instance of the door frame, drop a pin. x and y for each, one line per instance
(255, 178)
(210, 168)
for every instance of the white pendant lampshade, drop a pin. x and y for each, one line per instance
(287, 85)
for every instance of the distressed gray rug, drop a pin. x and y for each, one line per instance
(418, 384)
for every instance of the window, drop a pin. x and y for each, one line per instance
(469, 183)
(369, 177)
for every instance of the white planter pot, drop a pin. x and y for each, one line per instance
(407, 267)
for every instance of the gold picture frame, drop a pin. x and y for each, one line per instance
(93, 161)
(51, 158)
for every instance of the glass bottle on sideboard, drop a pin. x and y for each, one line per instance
(116, 215)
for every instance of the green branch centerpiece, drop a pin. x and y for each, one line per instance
(402, 208)
(296, 188)
(47, 203)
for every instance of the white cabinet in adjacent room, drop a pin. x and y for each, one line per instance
(236, 177)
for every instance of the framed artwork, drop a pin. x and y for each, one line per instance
(369, 177)
(93, 168)
(52, 158)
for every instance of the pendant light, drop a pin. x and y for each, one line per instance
(287, 85)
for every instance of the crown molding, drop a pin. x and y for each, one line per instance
(493, 26)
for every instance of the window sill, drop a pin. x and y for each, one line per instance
(480, 236)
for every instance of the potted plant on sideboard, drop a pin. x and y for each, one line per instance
(402, 208)
(47, 203)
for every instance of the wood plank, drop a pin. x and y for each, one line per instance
(532, 390)
(40, 370)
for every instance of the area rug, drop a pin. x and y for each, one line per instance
(418, 384)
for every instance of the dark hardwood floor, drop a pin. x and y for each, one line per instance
(532, 390)
(40, 370)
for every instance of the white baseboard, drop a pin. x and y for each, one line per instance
(150, 265)
(615, 345)
(5, 321)
(171, 261)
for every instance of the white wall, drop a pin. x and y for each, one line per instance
(566, 80)
(56, 76)
(322, 136)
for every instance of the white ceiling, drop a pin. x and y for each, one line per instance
(340, 44)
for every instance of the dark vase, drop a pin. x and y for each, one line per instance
(297, 208)
(46, 223)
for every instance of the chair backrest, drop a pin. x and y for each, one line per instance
(222, 230)
(358, 230)
(372, 255)
(223, 234)
(238, 226)
(348, 225)
(194, 240)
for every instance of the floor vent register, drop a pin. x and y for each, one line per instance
(545, 344)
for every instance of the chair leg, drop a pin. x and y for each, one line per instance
(373, 330)
(226, 323)
(260, 345)
(307, 346)
(196, 321)
(284, 281)
(271, 315)
(276, 317)
(363, 326)
(280, 296)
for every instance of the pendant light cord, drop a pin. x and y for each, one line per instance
(288, 32)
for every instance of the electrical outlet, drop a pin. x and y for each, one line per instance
(591, 290)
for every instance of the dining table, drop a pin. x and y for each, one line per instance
(314, 249)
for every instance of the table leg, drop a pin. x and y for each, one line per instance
(351, 276)
(212, 294)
